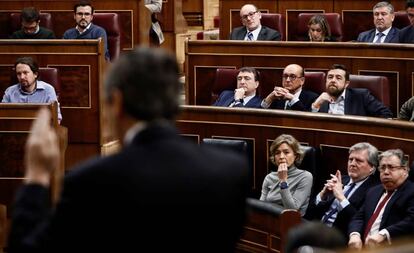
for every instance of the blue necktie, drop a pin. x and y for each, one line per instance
(379, 36)
(334, 206)
(250, 36)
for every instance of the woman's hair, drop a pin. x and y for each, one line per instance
(323, 23)
(292, 143)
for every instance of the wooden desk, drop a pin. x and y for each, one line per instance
(332, 134)
(349, 10)
(395, 61)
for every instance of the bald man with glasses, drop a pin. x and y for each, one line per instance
(252, 29)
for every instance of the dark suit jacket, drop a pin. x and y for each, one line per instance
(407, 34)
(266, 33)
(316, 212)
(398, 217)
(161, 192)
(360, 102)
(227, 97)
(368, 36)
(306, 98)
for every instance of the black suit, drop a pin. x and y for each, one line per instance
(227, 97)
(160, 193)
(407, 34)
(266, 33)
(360, 102)
(398, 217)
(306, 98)
(368, 36)
(345, 215)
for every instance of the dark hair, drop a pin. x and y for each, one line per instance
(83, 4)
(409, 4)
(149, 82)
(314, 234)
(340, 66)
(321, 20)
(255, 72)
(29, 14)
(28, 61)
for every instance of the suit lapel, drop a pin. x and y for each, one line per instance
(262, 34)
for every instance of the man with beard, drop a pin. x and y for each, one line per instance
(388, 210)
(252, 29)
(383, 32)
(291, 96)
(338, 99)
(83, 15)
(29, 89)
(31, 29)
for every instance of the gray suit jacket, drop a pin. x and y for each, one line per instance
(266, 33)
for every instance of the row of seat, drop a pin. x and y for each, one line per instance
(108, 21)
(277, 21)
(225, 79)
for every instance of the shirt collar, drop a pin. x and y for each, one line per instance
(385, 32)
(86, 29)
(340, 98)
(38, 86)
(255, 32)
(133, 131)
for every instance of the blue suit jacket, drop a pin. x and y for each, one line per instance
(306, 98)
(368, 36)
(316, 212)
(398, 217)
(360, 102)
(266, 33)
(227, 97)
(407, 34)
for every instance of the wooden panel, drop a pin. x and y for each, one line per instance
(333, 134)
(395, 61)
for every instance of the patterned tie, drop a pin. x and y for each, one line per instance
(379, 36)
(250, 36)
(376, 213)
(334, 206)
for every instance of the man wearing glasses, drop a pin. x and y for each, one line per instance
(407, 33)
(252, 30)
(30, 19)
(291, 96)
(84, 28)
(388, 211)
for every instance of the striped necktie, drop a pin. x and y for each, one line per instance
(250, 36)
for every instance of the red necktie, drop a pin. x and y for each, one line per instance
(376, 213)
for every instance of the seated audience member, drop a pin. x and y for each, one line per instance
(31, 29)
(252, 29)
(246, 93)
(314, 234)
(388, 211)
(407, 33)
(342, 196)
(383, 32)
(29, 89)
(112, 204)
(85, 29)
(407, 110)
(289, 186)
(319, 30)
(338, 99)
(291, 95)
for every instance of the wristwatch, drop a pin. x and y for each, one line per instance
(239, 101)
(283, 185)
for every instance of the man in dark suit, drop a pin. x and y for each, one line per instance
(338, 99)
(291, 96)
(341, 197)
(159, 193)
(383, 32)
(407, 33)
(245, 95)
(252, 29)
(388, 211)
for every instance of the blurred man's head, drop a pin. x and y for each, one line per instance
(337, 79)
(83, 14)
(27, 71)
(393, 168)
(409, 7)
(30, 20)
(383, 15)
(248, 79)
(293, 78)
(250, 16)
(362, 161)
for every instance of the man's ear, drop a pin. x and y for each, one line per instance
(346, 84)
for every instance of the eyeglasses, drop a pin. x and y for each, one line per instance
(80, 14)
(391, 168)
(292, 77)
(249, 15)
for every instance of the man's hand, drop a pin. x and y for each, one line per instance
(321, 99)
(355, 242)
(373, 241)
(239, 93)
(282, 93)
(42, 150)
(337, 188)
